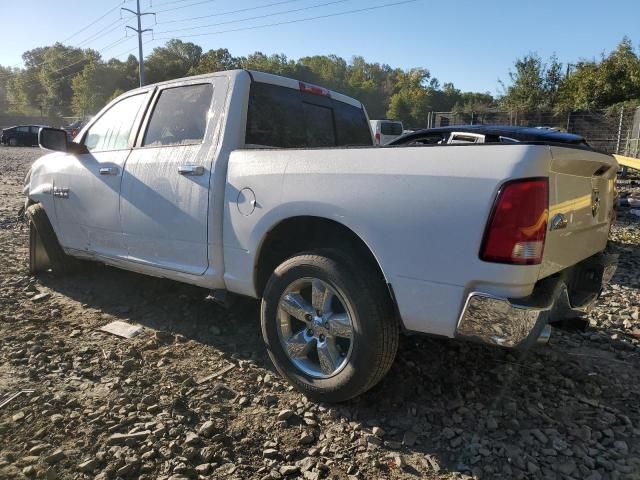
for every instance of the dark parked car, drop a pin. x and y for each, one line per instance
(74, 128)
(461, 134)
(25, 135)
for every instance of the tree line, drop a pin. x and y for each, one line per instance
(60, 80)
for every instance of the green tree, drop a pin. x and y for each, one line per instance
(89, 94)
(25, 93)
(174, 60)
(612, 80)
(45, 83)
(327, 70)
(412, 101)
(534, 84)
(215, 61)
(5, 76)
(277, 64)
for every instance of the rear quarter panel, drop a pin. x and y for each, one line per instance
(421, 210)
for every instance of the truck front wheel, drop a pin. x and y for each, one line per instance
(328, 325)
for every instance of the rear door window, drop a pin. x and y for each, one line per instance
(288, 118)
(23, 129)
(179, 116)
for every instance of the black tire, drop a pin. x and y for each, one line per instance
(43, 238)
(38, 259)
(376, 331)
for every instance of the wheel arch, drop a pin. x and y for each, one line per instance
(281, 242)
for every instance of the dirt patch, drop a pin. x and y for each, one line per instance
(194, 395)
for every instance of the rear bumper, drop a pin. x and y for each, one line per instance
(500, 321)
(518, 323)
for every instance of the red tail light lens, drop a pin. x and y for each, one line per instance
(518, 223)
(377, 138)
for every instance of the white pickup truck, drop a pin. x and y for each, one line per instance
(259, 185)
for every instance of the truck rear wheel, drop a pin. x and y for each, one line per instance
(328, 325)
(45, 252)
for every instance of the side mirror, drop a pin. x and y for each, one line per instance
(52, 139)
(56, 139)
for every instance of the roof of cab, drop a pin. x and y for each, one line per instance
(261, 77)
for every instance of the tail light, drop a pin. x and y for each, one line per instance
(517, 225)
(378, 138)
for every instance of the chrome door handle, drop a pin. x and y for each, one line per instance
(191, 170)
(108, 170)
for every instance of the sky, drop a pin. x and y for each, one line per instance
(472, 44)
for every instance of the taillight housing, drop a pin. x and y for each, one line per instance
(378, 138)
(517, 226)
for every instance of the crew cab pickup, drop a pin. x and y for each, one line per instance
(248, 183)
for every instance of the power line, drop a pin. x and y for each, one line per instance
(256, 17)
(288, 22)
(95, 21)
(167, 3)
(107, 47)
(229, 12)
(118, 22)
(133, 49)
(185, 6)
(89, 39)
(255, 27)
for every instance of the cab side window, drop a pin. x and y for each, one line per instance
(111, 131)
(179, 116)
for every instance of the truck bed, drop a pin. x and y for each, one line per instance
(422, 212)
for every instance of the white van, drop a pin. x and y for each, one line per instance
(384, 131)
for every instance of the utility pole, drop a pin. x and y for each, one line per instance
(139, 31)
(568, 72)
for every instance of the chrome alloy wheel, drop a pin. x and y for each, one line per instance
(315, 327)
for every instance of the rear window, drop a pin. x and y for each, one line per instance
(288, 118)
(391, 128)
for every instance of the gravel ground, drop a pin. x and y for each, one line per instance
(194, 395)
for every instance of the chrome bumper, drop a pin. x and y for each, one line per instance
(498, 321)
(520, 323)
